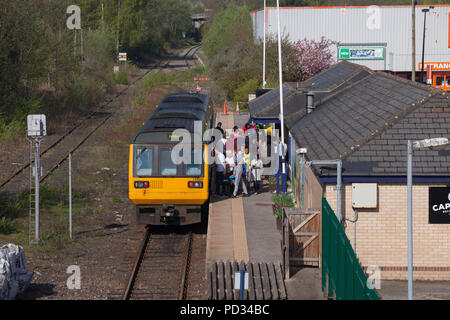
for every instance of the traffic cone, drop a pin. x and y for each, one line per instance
(224, 107)
(237, 109)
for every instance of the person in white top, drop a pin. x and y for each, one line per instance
(220, 168)
(280, 150)
(257, 166)
(238, 173)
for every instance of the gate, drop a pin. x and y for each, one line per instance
(340, 266)
(300, 241)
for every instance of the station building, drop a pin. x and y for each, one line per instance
(365, 118)
(378, 37)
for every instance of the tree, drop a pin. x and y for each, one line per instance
(311, 57)
(230, 27)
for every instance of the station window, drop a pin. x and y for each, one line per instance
(144, 161)
(440, 81)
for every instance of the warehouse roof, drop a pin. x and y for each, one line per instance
(367, 125)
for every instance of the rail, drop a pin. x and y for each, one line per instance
(66, 134)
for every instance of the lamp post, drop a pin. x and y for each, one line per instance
(423, 42)
(433, 144)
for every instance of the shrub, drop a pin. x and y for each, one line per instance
(121, 77)
(7, 226)
(281, 201)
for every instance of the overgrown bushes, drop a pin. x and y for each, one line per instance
(283, 200)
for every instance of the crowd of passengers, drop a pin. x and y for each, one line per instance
(236, 166)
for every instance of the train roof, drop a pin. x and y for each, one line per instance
(176, 111)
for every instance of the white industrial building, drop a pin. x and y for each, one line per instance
(379, 37)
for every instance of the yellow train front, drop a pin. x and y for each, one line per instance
(164, 192)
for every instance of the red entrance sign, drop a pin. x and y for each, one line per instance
(437, 66)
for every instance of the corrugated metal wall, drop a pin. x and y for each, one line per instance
(350, 25)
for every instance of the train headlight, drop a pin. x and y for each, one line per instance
(195, 184)
(141, 184)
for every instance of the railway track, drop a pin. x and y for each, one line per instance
(161, 267)
(92, 116)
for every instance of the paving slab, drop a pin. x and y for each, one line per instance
(264, 240)
(423, 290)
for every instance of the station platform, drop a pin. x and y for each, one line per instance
(242, 228)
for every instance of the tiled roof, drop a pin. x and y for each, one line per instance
(324, 84)
(367, 125)
(267, 106)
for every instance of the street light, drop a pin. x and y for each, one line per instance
(433, 144)
(423, 43)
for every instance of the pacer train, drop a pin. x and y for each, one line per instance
(166, 193)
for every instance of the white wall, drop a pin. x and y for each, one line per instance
(350, 25)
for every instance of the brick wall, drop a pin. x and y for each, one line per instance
(381, 234)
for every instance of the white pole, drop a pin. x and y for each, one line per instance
(264, 48)
(37, 167)
(410, 222)
(70, 194)
(281, 85)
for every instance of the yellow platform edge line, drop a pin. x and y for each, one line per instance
(240, 244)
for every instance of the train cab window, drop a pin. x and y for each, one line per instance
(193, 169)
(448, 81)
(166, 166)
(439, 81)
(144, 161)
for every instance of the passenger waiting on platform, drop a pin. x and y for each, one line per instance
(246, 167)
(235, 136)
(222, 144)
(220, 168)
(238, 173)
(257, 166)
(229, 169)
(219, 127)
(280, 150)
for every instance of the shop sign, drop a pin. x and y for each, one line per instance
(361, 53)
(437, 66)
(439, 205)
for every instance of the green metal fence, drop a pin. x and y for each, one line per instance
(340, 266)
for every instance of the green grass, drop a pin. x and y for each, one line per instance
(54, 222)
(162, 79)
(121, 77)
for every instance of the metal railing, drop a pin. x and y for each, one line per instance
(342, 275)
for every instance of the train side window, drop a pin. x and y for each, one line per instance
(144, 161)
(166, 166)
(193, 169)
(439, 81)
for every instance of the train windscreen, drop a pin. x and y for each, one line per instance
(144, 161)
(156, 161)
